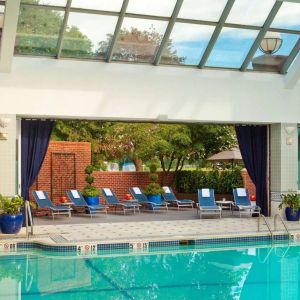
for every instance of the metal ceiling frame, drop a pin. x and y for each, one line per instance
(167, 32)
(171, 22)
(117, 31)
(216, 33)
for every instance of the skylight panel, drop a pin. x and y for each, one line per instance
(250, 12)
(108, 5)
(231, 48)
(288, 16)
(38, 30)
(82, 40)
(46, 2)
(206, 10)
(152, 7)
(187, 44)
(138, 40)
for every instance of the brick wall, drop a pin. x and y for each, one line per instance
(120, 182)
(248, 182)
(64, 166)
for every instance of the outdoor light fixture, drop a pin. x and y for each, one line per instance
(3, 124)
(271, 43)
(289, 130)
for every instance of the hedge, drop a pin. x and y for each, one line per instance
(221, 181)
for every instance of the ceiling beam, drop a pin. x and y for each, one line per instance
(261, 34)
(63, 29)
(9, 32)
(216, 33)
(168, 31)
(117, 31)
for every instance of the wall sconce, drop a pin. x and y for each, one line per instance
(289, 130)
(4, 122)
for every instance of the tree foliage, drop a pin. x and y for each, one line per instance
(39, 29)
(172, 145)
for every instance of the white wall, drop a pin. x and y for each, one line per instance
(8, 159)
(283, 163)
(68, 88)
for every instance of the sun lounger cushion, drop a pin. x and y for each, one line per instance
(167, 190)
(75, 194)
(137, 191)
(108, 192)
(41, 195)
(241, 192)
(205, 193)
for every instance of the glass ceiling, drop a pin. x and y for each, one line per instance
(199, 33)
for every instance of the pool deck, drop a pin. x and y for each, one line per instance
(144, 227)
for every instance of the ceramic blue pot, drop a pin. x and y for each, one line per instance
(154, 199)
(11, 224)
(92, 200)
(290, 216)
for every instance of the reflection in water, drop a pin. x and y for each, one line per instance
(254, 273)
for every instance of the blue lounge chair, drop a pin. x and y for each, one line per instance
(207, 204)
(112, 201)
(78, 201)
(170, 197)
(137, 194)
(242, 202)
(43, 201)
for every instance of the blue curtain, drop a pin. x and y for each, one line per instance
(253, 142)
(35, 136)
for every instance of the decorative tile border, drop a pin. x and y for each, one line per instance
(94, 247)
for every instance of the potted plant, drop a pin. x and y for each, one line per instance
(291, 202)
(90, 192)
(153, 190)
(11, 217)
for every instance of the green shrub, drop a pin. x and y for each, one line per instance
(221, 181)
(153, 188)
(153, 168)
(11, 205)
(292, 200)
(153, 177)
(89, 179)
(90, 191)
(89, 169)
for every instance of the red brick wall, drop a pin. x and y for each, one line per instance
(248, 182)
(63, 168)
(120, 182)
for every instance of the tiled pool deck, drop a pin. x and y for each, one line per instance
(146, 228)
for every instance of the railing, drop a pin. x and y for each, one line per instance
(266, 222)
(284, 225)
(28, 219)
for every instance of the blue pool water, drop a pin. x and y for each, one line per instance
(240, 272)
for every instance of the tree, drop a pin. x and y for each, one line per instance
(172, 145)
(136, 45)
(38, 31)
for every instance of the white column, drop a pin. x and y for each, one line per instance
(283, 162)
(8, 174)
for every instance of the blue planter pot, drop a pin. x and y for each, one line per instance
(155, 199)
(11, 224)
(290, 216)
(92, 200)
